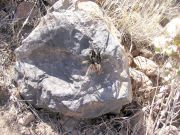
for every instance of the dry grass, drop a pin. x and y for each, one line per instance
(140, 18)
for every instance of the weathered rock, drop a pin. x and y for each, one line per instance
(168, 42)
(25, 9)
(140, 78)
(172, 29)
(50, 70)
(146, 65)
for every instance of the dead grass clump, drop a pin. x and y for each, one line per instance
(140, 18)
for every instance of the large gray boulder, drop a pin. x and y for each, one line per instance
(50, 63)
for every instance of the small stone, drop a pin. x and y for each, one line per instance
(140, 78)
(146, 65)
(89, 6)
(172, 29)
(26, 118)
(24, 10)
(2, 14)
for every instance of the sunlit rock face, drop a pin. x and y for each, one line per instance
(51, 68)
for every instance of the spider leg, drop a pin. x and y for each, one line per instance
(89, 70)
(98, 69)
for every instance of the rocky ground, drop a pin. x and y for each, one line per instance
(154, 68)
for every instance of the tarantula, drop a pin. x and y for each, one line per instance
(94, 59)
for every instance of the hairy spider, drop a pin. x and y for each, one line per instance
(94, 59)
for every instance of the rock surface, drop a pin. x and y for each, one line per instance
(146, 65)
(172, 29)
(140, 78)
(49, 65)
(168, 42)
